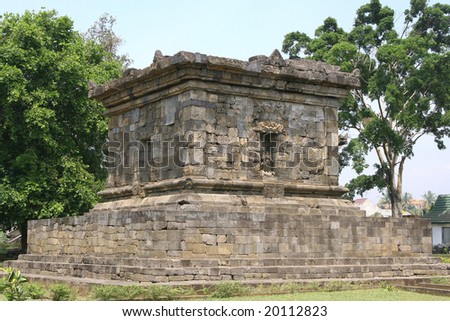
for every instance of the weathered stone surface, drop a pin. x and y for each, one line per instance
(223, 119)
(246, 233)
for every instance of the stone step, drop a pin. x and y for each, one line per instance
(165, 274)
(436, 286)
(429, 288)
(199, 284)
(211, 262)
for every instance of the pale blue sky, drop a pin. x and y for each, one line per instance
(235, 29)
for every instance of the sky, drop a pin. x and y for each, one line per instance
(237, 29)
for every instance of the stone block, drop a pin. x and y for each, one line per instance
(225, 249)
(283, 248)
(209, 239)
(198, 248)
(221, 238)
(212, 250)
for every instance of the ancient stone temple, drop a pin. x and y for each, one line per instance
(221, 169)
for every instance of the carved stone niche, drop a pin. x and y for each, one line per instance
(268, 131)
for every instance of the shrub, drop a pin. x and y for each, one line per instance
(107, 293)
(228, 290)
(62, 292)
(118, 293)
(34, 291)
(387, 287)
(445, 258)
(11, 285)
(162, 293)
(129, 293)
(132, 292)
(441, 249)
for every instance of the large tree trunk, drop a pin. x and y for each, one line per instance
(395, 182)
(395, 194)
(397, 189)
(396, 204)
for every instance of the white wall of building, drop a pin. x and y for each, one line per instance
(437, 233)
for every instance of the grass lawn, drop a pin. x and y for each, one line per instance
(377, 294)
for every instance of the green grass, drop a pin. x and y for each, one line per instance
(354, 295)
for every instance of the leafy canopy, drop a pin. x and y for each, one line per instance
(405, 85)
(51, 133)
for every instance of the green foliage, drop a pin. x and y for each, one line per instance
(229, 289)
(290, 287)
(440, 279)
(445, 258)
(62, 292)
(11, 285)
(117, 293)
(162, 293)
(387, 287)
(102, 33)
(3, 242)
(106, 293)
(51, 132)
(130, 293)
(405, 88)
(312, 286)
(430, 199)
(34, 291)
(441, 249)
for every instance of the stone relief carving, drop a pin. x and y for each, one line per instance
(269, 127)
(269, 111)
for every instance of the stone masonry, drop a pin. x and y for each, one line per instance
(221, 169)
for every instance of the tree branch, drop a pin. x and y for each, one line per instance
(380, 107)
(400, 174)
(409, 99)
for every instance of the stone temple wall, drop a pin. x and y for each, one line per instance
(218, 136)
(163, 245)
(198, 116)
(166, 234)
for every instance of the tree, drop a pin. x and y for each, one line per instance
(102, 33)
(430, 199)
(405, 86)
(385, 201)
(51, 133)
(406, 200)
